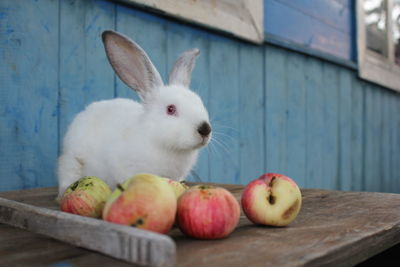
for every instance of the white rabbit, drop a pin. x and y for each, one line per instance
(115, 139)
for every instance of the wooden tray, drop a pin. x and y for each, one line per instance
(333, 228)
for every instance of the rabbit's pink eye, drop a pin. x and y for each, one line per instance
(171, 110)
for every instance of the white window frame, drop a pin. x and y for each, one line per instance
(371, 65)
(241, 18)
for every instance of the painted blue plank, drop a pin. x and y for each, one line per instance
(224, 109)
(85, 75)
(395, 140)
(290, 24)
(276, 102)
(332, 13)
(386, 145)
(315, 123)
(357, 134)
(296, 118)
(373, 135)
(150, 32)
(28, 95)
(345, 147)
(180, 39)
(251, 112)
(330, 159)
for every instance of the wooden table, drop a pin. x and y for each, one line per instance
(333, 228)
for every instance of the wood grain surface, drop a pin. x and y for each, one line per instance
(121, 242)
(333, 228)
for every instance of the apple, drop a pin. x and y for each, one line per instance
(86, 197)
(178, 187)
(207, 212)
(272, 199)
(145, 201)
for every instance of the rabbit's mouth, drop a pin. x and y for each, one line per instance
(204, 141)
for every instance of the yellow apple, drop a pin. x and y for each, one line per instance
(145, 202)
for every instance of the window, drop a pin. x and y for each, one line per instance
(242, 18)
(378, 23)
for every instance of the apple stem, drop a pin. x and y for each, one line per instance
(74, 186)
(119, 186)
(272, 181)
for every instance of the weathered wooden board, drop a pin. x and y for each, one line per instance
(121, 242)
(84, 75)
(276, 105)
(28, 93)
(251, 105)
(357, 134)
(296, 131)
(372, 139)
(330, 111)
(224, 109)
(242, 18)
(345, 146)
(315, 123)
(324, 25)
(334, 228)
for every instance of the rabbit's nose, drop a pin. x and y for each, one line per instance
(204, 129)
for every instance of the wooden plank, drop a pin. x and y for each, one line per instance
(127, 243)
(332, 13)
(296, 118)
(224, 109)
(241, 18)
(345, 123)
(94, 259)
(334, 228)
(315, 123)
(316, 238)
(251, 114)
(23, 248)
(276, 105)
(179, 39)
(137, 25)
(387, 122)
(85, 75)
(395, 148)
(373, 135)
(330, 110)
(279, 21)
(28, 95)
(357, 134)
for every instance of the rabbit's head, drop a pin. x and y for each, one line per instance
(174, 114)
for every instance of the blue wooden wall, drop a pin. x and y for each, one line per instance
(323, 25)
(273, 110)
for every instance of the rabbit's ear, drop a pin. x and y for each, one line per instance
(182, 71)
(131, 63)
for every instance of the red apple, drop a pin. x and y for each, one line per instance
(145, 201)
(86, 197)
(272, 199)
(207, 212)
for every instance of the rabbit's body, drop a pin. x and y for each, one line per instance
(116, 139)
(128, 154)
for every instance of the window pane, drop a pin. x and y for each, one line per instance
(375, 20)
(396, 30)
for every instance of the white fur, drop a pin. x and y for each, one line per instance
(115, 139)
